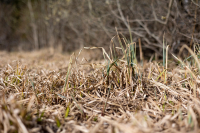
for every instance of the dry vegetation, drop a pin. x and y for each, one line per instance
(40, 92)
(119, 91)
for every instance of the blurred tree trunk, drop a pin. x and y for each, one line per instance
(33, 25)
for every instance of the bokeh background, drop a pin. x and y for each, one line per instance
(67, 25)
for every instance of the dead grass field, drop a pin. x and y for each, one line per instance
(43, 92)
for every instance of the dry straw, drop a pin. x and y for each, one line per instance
(111, 95)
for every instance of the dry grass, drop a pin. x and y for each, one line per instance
(112, 95)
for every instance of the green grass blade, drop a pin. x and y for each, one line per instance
(67, 110)
(77, 105)
(68, 73)
(164, 53)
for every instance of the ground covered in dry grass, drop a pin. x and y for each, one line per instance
(42, 92)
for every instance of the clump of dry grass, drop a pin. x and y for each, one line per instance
(113, 95)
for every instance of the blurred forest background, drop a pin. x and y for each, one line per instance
(67, 25)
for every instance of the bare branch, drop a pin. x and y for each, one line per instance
(168, 13)
(195, 3)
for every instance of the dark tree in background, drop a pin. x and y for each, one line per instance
(66, 25)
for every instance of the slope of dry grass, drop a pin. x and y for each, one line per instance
(110, 95)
